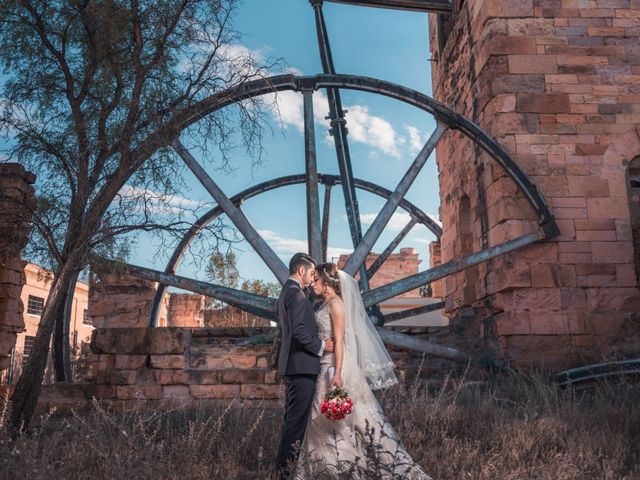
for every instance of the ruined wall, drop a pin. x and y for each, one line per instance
(17, 200)
(397, 266)
(557, 83)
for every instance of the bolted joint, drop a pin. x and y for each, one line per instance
(315, 3)
(306, 84)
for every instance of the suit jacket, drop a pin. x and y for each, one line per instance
(299, 343)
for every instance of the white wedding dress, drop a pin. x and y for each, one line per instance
(363, 445)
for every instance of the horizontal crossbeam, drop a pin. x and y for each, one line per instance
(399, 287)
(430, 6)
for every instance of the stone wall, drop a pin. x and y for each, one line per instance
(165, 367)
(557, 83)
(17, 201)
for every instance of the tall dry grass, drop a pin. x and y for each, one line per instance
(512, 427)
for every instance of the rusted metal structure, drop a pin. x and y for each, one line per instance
(317, 222)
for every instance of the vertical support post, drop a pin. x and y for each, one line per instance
(326, 211)
(339, 134)
(357, 259)
(311, 169)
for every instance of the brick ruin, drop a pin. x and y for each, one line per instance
(17, 200)
(557, 83)
(397, 266)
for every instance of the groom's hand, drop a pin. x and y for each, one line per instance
(328, 345)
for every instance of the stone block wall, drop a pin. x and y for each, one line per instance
(17, 201)
(557, 83)
(180, 364)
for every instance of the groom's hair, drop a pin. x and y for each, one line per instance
(300, 260)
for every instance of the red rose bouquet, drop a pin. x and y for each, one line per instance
(336, 404)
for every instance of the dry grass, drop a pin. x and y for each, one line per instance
(514, 427)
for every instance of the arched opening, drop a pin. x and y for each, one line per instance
(633, 193)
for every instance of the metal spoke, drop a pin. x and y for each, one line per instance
(326, 211)
(375, 266)
(414, 281)
(250, 302)
(356, 260)
(412, 312)
(235, 215)
(311, 168)
(408, 342)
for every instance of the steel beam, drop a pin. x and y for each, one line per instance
(357, 258)
(249, 302)
(427, 6)
(326, 212)
(375, 266)
(339, 133)
(407, 342)
(412, 312)
(311, 173)
(414, 281)
(235, 215)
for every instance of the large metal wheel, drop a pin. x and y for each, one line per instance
(317, 224)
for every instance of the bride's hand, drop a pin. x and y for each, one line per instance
(337, 381)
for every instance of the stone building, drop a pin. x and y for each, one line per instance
(557, 83)
(34, 294)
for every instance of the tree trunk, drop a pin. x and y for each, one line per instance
(61, 342)
(25, 397)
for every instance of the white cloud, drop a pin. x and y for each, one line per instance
(287, 246)
(415, 142)
(363, 126)
(396, 223)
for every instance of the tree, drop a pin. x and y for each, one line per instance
(222, 269)
(95, 91)
(266, 289)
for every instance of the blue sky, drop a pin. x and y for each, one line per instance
(384, 135)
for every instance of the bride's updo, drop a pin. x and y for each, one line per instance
(329, 274)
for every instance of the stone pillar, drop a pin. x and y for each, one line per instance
(118, 300)
(17, 201)
(437, 287)
(557, 83)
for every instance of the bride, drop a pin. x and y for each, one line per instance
(363, 445)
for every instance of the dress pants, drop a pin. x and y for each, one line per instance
(299, 390)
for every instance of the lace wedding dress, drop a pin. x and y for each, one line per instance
(363, 445)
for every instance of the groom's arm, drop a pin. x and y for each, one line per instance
(303, 323)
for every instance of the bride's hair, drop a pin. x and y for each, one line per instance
(329, 274)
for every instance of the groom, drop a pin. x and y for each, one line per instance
(298, 357)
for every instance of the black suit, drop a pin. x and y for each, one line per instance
(298, 364)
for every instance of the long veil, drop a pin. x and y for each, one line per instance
(363, 347)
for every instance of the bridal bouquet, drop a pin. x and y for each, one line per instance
(337, 404)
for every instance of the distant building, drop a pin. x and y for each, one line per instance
(34, 294)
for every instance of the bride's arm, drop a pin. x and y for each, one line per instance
(337, 326)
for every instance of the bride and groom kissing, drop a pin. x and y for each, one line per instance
(334, 346)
